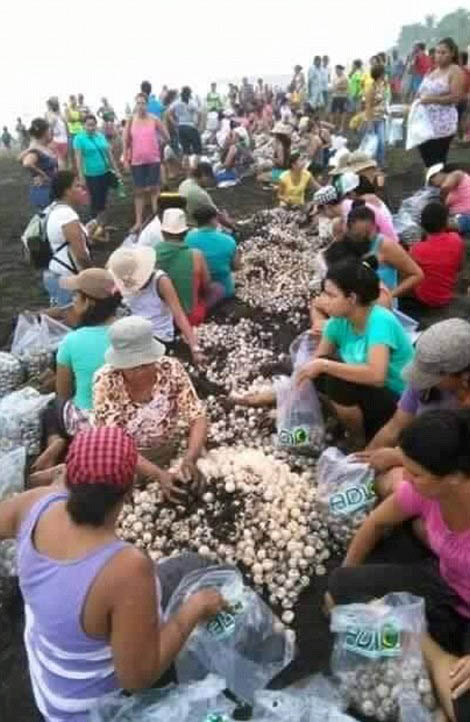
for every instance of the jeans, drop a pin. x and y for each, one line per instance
(57, 296)
(379, 130)
(463, 222)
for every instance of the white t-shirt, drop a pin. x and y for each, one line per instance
(151, 234)
(58, 127)
(60, 216)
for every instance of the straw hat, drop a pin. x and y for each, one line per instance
(361, 161)
(281, 128)
(132, 343)
(93, 282)
(131, 268)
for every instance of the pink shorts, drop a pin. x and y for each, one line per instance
(61, 150)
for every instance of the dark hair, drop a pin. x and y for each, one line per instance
(339, 67)
(338, 251)
(204, 214)
(39, 127)
(463, 57)
(60, 183)
(294, 157)
(359, 277)
(89, 116)
(90, 503)
(432, 51)
(360, 212)
(170, 97)
(186, 94)
(101, 310)
(377, 72)
(439, 441)
(421, 46)
(317, 59)
(434, 217)
(203, 168)
(146, 87)
(53, 104)
(365, 186)
(452, 47)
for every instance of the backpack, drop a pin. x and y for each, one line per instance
(37, 248)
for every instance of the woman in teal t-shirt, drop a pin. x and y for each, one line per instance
(80, 355)
(363, 350)
(96, 166)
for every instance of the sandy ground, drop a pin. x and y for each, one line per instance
(20, 288)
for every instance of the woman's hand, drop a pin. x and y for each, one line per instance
(381, 459)
(209, 603)
(171, 490)
(310, 371)
(198, 356)
(460, 677)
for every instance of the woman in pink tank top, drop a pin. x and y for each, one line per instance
(142, 137)
(455, 191)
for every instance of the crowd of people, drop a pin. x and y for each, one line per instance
(95, 605)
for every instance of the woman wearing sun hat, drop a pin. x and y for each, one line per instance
(93, 603)
(149, 293)
(151, 396)
(187, 268)
(281, 153)
(80, 354)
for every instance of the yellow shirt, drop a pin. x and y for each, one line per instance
(294, 194)
(74, 124)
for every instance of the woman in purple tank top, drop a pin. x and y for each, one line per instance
(92, 602)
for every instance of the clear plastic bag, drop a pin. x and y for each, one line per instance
(407, 221)
(174, 703)
(345, 492)
(300, 425)
(20, 419)
(369, 144)
(419, 126)
(319, 700)
(302, 348)
(377, 655)
(12, 464)
(11, 373)
(247, 645)
(33, 333)
(35, 340)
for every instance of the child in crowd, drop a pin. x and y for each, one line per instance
(440, 255)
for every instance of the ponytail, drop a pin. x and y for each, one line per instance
(356, 276)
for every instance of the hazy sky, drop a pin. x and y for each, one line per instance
(51, 47)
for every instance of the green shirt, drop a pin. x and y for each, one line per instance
(196, 197)
(219, 250)
(83, 351)
(94, 150)
(382, 329)
(356, 84)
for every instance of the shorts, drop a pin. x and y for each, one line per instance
(339, 105)
(146, 176)
(190, 140)
(378, 404)
(61, 150)
(98, 187)
(463, 222)
(58, 296)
